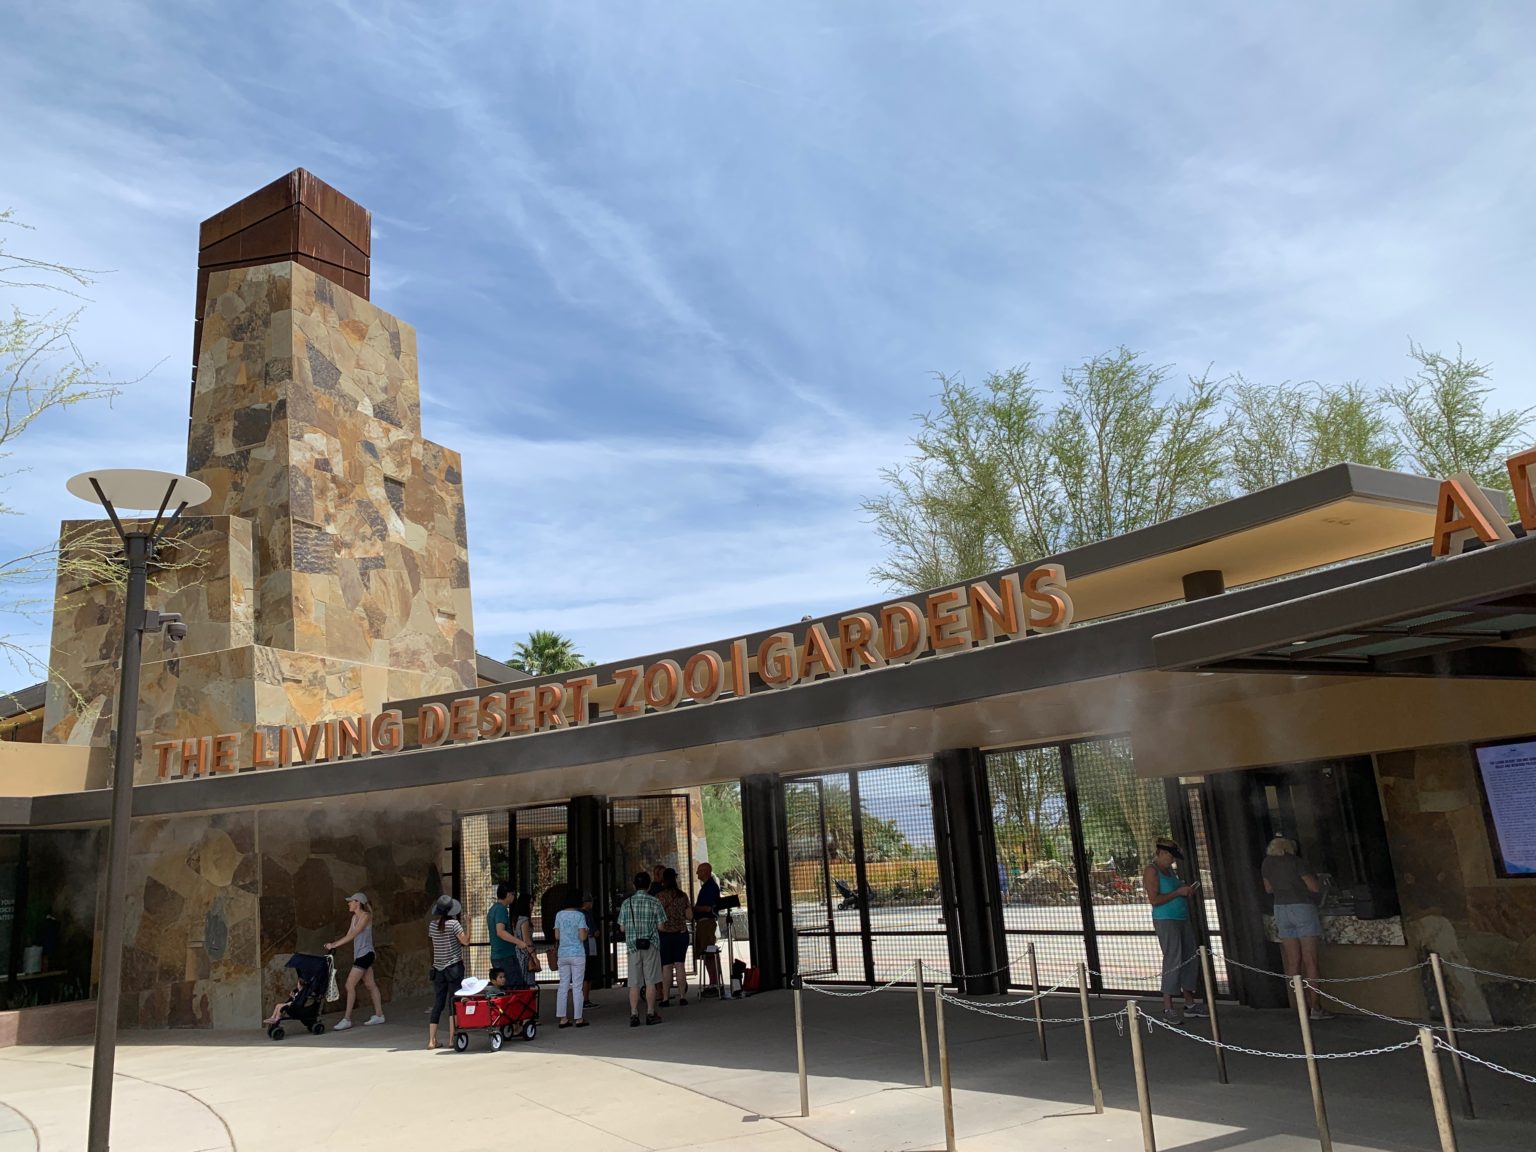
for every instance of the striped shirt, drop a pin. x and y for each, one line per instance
(640, 916)
(446, 949)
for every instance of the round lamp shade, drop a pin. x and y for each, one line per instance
(139, 489)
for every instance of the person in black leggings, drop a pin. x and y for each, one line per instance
(446, 932)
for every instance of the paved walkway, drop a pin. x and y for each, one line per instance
(722, 1076)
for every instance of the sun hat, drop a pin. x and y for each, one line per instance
(472, 986)
(447, 906)
(1170, 846)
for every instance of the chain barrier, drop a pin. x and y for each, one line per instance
(1460, 1028)
(1329, 979)
(1382, 1051)
(1489, 1064)
(1486, 972)
(985, 1010)
(824, 991)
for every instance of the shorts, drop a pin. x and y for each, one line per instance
(365, 961)
(674, 947)
(703, 936)
(1297, 921)
(644, 967)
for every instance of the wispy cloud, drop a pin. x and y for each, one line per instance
(690, 265)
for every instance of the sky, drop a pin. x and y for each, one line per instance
(682, 273)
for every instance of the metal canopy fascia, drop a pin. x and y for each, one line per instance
(1106, 648)
(1125, 573)
(1325, 632)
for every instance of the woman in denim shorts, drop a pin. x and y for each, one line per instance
(1291, 882)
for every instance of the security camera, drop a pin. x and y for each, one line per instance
(168, 622)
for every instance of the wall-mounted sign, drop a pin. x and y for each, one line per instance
(1463, 511)
(1507, 772)
(983, 612)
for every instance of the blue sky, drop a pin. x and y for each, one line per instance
(681, 273)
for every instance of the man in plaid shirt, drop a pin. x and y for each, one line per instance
(640, 920)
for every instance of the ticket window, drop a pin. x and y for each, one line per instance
(1333, 812)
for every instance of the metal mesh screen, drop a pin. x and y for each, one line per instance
(541, 861)
(812, 906)
(647, 833)
(1037, 872)
(1195, 794)
(484, 862)
(1122, 817)
(1074, 826)
(901, 869)
(864, 877)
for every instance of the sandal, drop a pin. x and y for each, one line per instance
(563, 1024)
(581, 1023)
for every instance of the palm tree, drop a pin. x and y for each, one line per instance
(546, 653)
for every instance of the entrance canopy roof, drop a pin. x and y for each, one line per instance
(1470, 615)
(1133, 669)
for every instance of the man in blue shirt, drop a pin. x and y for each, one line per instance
(498, 927)
(704, 912)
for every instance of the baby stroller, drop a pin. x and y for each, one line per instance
(315, 974)
(851, 899)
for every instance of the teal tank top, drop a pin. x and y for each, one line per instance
(1176, 909)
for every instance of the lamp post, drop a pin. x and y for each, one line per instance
(138, 490)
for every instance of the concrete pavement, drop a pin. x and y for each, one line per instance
(722, 1076)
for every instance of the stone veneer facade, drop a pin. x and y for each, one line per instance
(217, 904)
(328, 573)
(1453, 900)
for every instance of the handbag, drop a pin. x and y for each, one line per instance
(332, 993)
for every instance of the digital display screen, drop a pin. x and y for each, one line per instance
(1508, 775)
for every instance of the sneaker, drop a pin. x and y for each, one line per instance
(1196, 1010)
(683, 1002)
(1173, 1016)
(1319, 1014)
(341, 1025)
(373, 1020)
(653, 1020)
(589, 1004)
(634, 1021)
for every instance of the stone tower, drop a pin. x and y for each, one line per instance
(329, 572)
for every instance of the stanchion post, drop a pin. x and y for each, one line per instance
(1093, 1054)
(1139, 1061)
(1034, 983)
(1210, 1005)
(1324, 1137)
(922, 1025)
(1437, 1090)
(805, 1091)
(949, 1103)
(1450, 1036)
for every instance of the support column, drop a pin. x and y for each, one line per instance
(969, 886)
(587, 869)
(767, 864)
(1234, 821)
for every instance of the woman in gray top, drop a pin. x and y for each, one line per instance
(1295, 889)
(360, 934)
